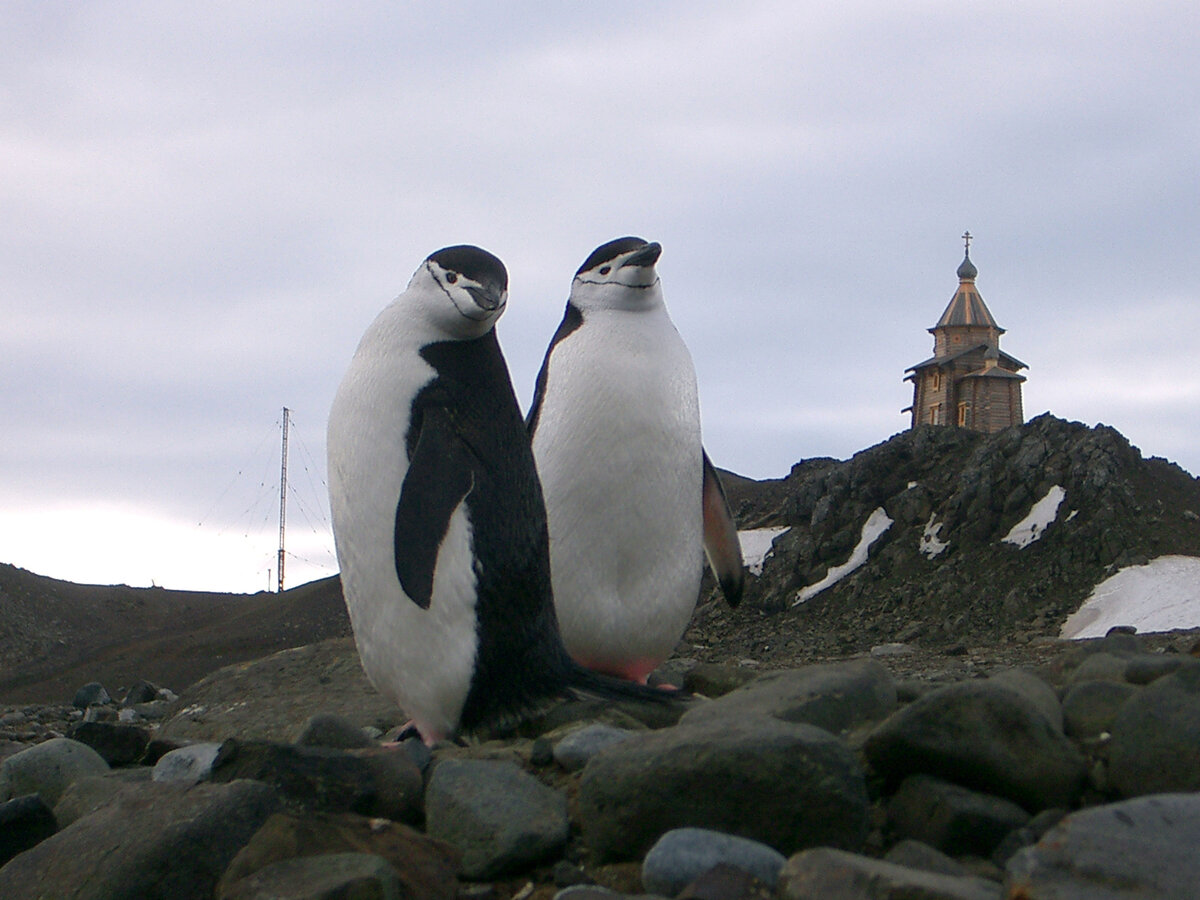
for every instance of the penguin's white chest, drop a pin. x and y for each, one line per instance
(421, 658)
(618, 450)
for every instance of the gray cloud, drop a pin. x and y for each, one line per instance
(206, 209)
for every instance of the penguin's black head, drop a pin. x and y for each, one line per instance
(619, 275)
(464, 289)
(609, 253)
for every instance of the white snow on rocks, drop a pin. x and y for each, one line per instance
(1159, 596)
(756, 546)
(1040, 516)
(931, 545)
(877, 523)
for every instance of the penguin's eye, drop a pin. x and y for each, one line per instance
(451, 277)
(604, 270)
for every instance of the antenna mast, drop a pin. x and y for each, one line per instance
(283, 494)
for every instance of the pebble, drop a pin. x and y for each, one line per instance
(835, 696)
(190, 764)
(784, 784)
(48, 769)
(91, 694)
(574, 750)
(500, 817)
(1155, 745)
(153, 840)
(681, 856)
(984, 736)
(954, 819)
(1145, 847)
(1090, 707)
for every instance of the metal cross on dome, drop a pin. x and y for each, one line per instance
(967, 241)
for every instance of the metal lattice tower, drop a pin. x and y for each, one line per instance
(283, 493)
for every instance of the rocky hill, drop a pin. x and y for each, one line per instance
(55, 635)
(941, 575)
(965, 490)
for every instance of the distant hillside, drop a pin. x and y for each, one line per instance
(56, 636)
(969, 489)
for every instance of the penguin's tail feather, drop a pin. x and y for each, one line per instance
(584, 683)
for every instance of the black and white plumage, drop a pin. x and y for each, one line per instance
(438, 517)
(632, 500)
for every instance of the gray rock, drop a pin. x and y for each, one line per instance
(118, 744)
(87, 795)
(335, 732)
(159, 841)
(501, 819)
(1090, 707)
(786, 785)
(375, 783)
(1100, 666)
(24, 822)
(983, 736)
(587, 892)
(425, 867)
(141, 692)
(1033, 689)
(954, 819)
(1155, 744)
(919, 855)
(681, 856)
(1027, 834)
(190, 764)
(324, 877)
(91, 694)
(1145, 847)
(154, 711)
(1148, 667)
(824, 873)
(576, 748)
(48, 769)
(833, 696)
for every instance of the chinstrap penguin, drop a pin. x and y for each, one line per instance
(438, 517)
(632, 500)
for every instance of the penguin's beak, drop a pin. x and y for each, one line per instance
(645, 257)
(487, 297)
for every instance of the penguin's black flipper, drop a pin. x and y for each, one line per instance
(439, 477)
(721, 543)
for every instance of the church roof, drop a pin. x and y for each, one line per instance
(966, 307)
(988, 350)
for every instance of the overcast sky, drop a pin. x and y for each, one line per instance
(206, 204)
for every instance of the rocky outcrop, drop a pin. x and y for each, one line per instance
(942, 572)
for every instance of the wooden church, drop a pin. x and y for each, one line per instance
(969, 381)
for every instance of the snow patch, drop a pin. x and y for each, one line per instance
(1030, 528)
(930, 545)
(877, 523)
(756, 546)
(1159, 596)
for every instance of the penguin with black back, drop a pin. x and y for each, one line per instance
(634, 503)
(438, 517)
